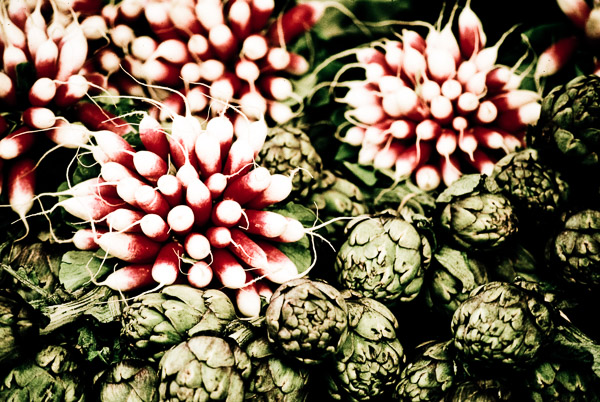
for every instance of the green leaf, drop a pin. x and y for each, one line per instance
(367, 175)
(346, 152)
(77, 268)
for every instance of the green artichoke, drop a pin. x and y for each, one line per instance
(574, 252)
(482, 390)
(288, 150)
(562, 381)
(156, 321)
(204, 368)
(502, 326)
(567, 133)
(128, 380)
(53, 374)
(453, 274)
(428, 375)
(20, 325)
(475, 219)
(307, 320)
(538, 192)
(384, 257)
(368, 364)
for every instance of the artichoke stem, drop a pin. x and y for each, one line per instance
(27, 282)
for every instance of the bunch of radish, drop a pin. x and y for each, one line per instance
(215, 52)
(189, 206)
(432, 107)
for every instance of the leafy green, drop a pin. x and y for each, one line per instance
(77, 268)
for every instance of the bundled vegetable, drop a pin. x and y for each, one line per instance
(129, 379)
(433, 107)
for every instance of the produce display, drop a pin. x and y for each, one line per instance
(254, 200)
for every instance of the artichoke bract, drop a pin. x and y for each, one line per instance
(368, 364)
(384, 257)
(52, 375)
(127, 380)
(502, 326)
(307, 320)
(156, 321)
(429, 375)
(204, 368)
(574, 252)
(567, 133)
(555, 380)
(288, 149)
(475, 219)
(537, 191)
(20, 324)
(481, 390)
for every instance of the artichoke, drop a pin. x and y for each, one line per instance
(307, 320)
(574, 252)
(128, 380)
(429, 375)
(156, 321)
(453, 274)
(368, 364)
(481, 390)
(502, 325)
(204, 368)
(288, 150)
(538, 192)
(555, 380)
(20, 324)
(53, 374)
(475, 219)
(567, 133)
(384, 257)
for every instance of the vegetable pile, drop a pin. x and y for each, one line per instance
(291, 201)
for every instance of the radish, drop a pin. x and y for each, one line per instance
(227, 269)
(208, 153)
(122, 35)
(21, 189)
(130, 10)
(486, 112)
(240, 19)
(160, 72)
(85, 239)
(90, 208)
(577, 11)
(130, 247)
(216, 184)
(151, 201)
(153, 136)
(244, 188)
(39, 117)
(150, 165)
(222, 41)
(239, 159)
(127, 188)
(483, 163)
(450, 170)
(114, 172)
(254, 47)
(209, 13)
(519, 118)
(294, 231)
(218, 236)
(199, 47)
(470, 32)
(129, 278)
(555, 56)
(196, 246)
(94, 27)
(187, 174)
(261, 11)
(263, 223)
(72, 91)
(295, 22)
(73, 50)
(513, 99)
(200, 274)
(42, 92)
(180, 219)
(115, 147)
(279, 189)
(428, 177)
(143, 47)
(277, 59)
(246, 249)
(226, 213)
(196, 97)
(46, 59)
(167, 264)
(154, 227)
(16, 143)
(221, 128)
(198, 198)
(124, 220)
(171, 188)
(173, 51)
(95, 118)
(280, 267)
(247, 299)
(8, 95)
(387, 156)
(264, 290)
(12, 56)
(298, 64)
(157, 15)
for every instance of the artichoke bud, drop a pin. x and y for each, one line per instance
(307, 320)
(502, 326)
(556, 380)
(481, 390)
(384, 257)
(475, 219)
(369, 363)
(127, 380)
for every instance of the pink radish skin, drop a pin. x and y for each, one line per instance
(38, 117)
(16, 143)
(11, 57)
(248, 186)
(42, 92)
(280, 268)
(518, 119)
(295, 22)
(46, 59)
(154, 227)
(129, 278)
(124, 220)
(428, 177)
(94, 185)
(173, 51)
(577, 11)
(264, 290)
(160, 72)
(130, 247)
(221, 128)
(181, 219)
(218, 237)
(171, 188)
(247, 298)
(151, 201)
(85, 239)
(294, 231)
(7, 90)
(187, 174)
(91, 207)
(216, 184)
(127, 188)
(73, 53)
(227, 269)
(115, 148)
(208, 152)
(72, 91)
(246, 249)
(166, 267)
(555, 56)
(153, 136)
(470, 29)
(158, 18)
(298, 64)
(514, 99)
(223, 41)
(226, 213)
(279, 189)
(21, 189)
(200, 274)
(240, 158)
(263, 223)
(198, 198)
(143, 47)
(255, 47)
(150, 165)
(261, 11)
(199, 47)
(196, 245)
(240, 19)
(95, 118)
(114, 172)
